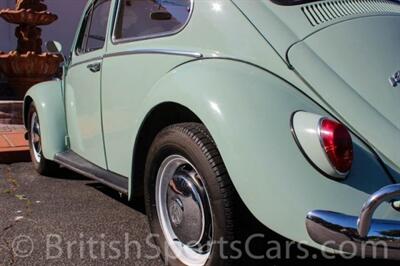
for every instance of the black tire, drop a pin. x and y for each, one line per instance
(41, 165)
(193, 142)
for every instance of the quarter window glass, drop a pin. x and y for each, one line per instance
(142, 18)
(98, 25)
(82, 41)
(93, 33)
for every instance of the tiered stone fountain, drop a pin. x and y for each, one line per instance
(28, 65)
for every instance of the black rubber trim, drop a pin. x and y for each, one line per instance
(293, 2)
(76, 163)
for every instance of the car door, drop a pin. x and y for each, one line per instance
(145, 46)
(83, 85)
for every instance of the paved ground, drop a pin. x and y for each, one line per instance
(38, 212)
(70, 220)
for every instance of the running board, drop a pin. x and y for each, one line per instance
(76, 163)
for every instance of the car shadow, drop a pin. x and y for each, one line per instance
(66, 174)
(137, 203)
(259, 245)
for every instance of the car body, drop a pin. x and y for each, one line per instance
(243, 69)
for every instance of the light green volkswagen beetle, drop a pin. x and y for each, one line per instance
(291, 106)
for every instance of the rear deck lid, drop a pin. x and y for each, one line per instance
(349, 65)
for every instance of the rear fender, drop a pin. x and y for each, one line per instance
(248, 112)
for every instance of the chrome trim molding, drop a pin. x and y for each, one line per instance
(371, 237)
(116, 41)
(156, 51)
(97, 58)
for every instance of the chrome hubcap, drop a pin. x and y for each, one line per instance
(184, 210)
(36, 142)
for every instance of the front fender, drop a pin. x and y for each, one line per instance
(48, 99)
(247, 111)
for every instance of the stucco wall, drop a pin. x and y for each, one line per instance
(5, 31)
(63, 30)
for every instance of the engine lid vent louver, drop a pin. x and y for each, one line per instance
(322, 12)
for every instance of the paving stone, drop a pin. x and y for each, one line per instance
(13, 146)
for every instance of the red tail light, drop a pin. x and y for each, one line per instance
(337, 143)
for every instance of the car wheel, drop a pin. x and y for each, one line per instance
(40, 163)
(189, 197)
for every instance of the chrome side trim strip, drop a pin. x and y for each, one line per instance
(142, 51)
(98, 58)
(156, 51)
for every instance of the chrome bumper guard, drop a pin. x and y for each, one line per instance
(361, 235)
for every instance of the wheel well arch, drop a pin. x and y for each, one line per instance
(27, 102)
(160, 116)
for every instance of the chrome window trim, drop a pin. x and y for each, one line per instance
(116, 41)
(156, 51)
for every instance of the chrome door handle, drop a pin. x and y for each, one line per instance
(95, 67)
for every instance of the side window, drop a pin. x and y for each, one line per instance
(143, 18)
(94, 29)
(98, 25)
(84, 32)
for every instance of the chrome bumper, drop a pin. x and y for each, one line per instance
(361, 235)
